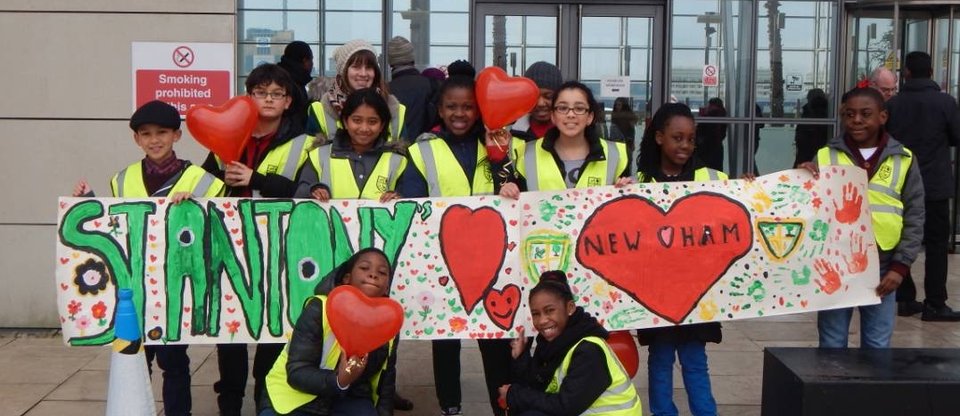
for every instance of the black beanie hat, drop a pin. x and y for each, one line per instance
(155, 112)
(545, 75)
(297, 50)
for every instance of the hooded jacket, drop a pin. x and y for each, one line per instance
(587, 377)
(927, 122)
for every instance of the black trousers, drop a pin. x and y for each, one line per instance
(175, 363)
(446, 370)
(936, 239)
(232, 362)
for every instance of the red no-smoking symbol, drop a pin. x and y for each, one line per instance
(710, 70)
(183, 56)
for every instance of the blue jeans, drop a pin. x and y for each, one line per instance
(696, 379)
(346, 406)
(876, 324)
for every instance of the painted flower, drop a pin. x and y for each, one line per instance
(83, 323)
(233, 326)
(458, 324)
(425, 299)
(607, 307)
(99, 310)
(91, 277)
(73, 308)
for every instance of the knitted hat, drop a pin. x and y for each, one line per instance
(545, 75)
(155, 112)
(343, 53)
(399, 51)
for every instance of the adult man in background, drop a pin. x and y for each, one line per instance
(926, 121)
(410, 87)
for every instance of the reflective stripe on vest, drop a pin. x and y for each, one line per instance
(128, 183)
(883, 193)
(285, 160)
(537, 162)
(343, 184)
(325, 116)
(699, 175)
(284, 397)
(434, 159)
(620, 397)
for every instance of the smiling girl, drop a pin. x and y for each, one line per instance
(572, 371)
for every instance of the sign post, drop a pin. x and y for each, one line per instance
(182, 74)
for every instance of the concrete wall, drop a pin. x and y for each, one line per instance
(63, 116)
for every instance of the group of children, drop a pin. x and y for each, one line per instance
(352, 148)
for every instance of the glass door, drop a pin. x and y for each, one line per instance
(615, 50)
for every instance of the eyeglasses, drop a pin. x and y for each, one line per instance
(562, 109)
(276, 95)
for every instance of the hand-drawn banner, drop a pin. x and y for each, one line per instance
(238, 270)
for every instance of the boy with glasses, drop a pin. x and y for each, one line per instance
(267, 168)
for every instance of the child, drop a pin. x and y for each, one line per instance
(357, 68)
(454, 163)
(267, 168)
(313, 376)
(573, 371)
(359, 163)
(571, 154)
(667, 155)
(897, 189)
(156, 127)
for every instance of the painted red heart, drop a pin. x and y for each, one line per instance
(444, 280)
(502, 98)
(64, 287)
(473, 243)
(501, 305)
(64, 260)
(668, 260)
(360, 323)
(226, 129)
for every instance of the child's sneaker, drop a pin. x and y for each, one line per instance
(451, 411)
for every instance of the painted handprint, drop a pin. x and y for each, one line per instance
(852, 200)
(858, 260)
(829, 280)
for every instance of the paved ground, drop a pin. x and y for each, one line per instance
(40, 376)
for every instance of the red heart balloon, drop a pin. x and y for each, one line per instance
(502, 98)
(360, 323)
(666, 260)
(621, 342)
(224, 130)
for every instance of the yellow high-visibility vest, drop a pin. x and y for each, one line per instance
(445, 177)
(128, 183)
(284, 160)
(325, 116)
(620, 397)
(883, 192)
(538, 167)
(337, 173)
(699, 175)
(285, 398)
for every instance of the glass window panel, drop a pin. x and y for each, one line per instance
(444, 55)
(638, 32)
(600, 31)
(639, 64)
(274, 4)
(285, 26)
(596, 63)
(354, 5)
(797, 62)
(344, 26)
(435, 28)
(708, 34)
(778, 144)
(525, 41)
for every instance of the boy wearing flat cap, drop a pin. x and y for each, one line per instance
(156, 127)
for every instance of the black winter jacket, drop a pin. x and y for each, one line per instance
(587, 376)
(414, 91)
(927, 122)
(271, 185)
(304, 372)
